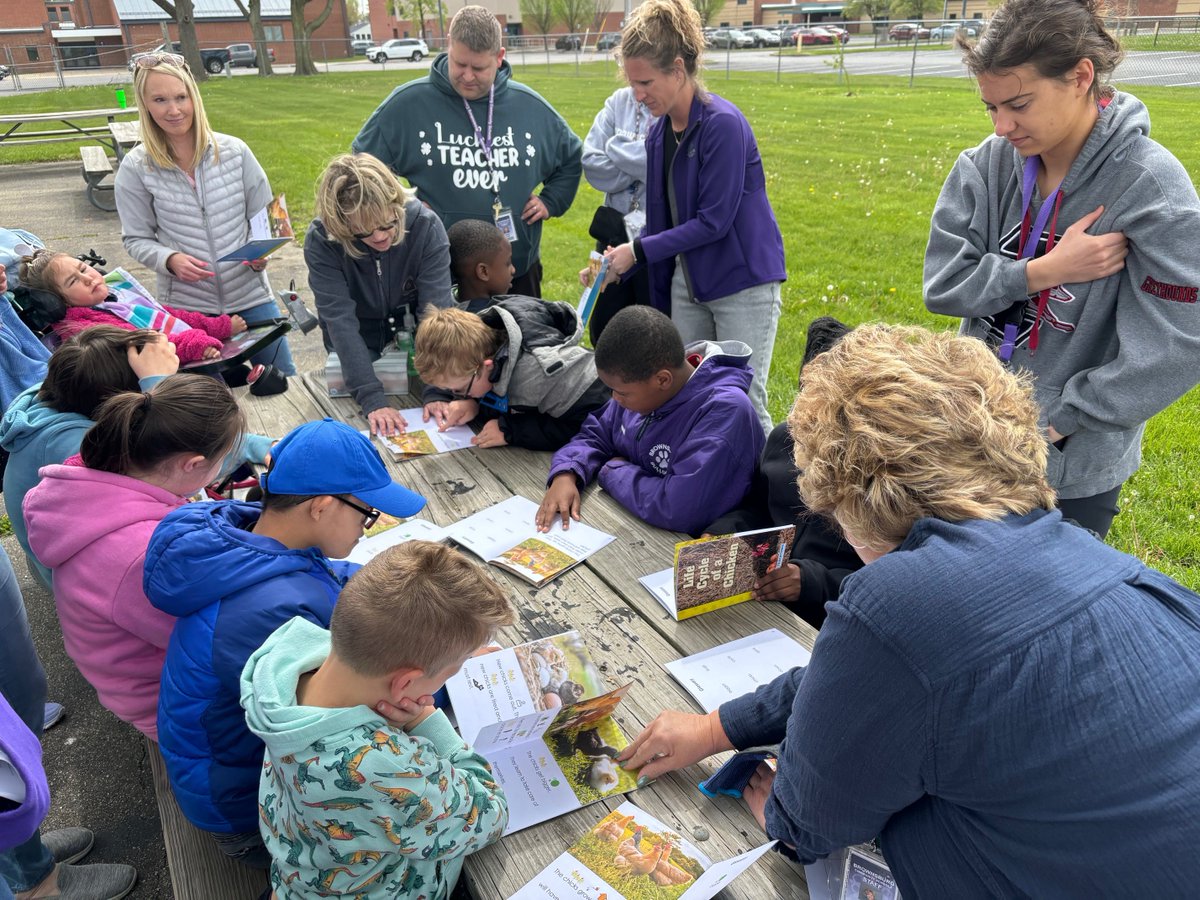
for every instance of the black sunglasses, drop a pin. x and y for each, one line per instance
(390, 226)
(370, 515)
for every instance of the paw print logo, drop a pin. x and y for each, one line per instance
(530, 150)
(660, 458)
(426, 148)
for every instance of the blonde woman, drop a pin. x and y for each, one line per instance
(1007, 702)
(185, 196)
(375, 255)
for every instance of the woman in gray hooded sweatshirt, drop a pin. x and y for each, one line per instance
(1066, 241)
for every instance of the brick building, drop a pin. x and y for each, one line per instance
(105, 32)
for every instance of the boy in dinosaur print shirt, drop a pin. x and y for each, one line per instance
(352, 803)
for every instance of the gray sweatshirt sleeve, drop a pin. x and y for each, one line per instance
(964, 276)
(339, 315)
(139, 224)
(608, 164)
(1157, 313)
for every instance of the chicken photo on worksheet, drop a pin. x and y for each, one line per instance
(638, 861)
(584, 740)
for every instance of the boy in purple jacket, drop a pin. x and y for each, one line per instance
(677, 443)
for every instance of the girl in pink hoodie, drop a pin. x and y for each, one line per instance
(91, 300)
(91, 518)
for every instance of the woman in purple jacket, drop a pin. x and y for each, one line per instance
(711, 240)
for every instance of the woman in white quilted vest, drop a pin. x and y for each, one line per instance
(185, 196)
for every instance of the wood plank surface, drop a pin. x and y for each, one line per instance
(199, 871)
(95, 161)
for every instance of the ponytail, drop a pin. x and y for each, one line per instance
(136, 432)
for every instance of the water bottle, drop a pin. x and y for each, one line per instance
(121, 102)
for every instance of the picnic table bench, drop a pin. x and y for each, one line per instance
(627, 632)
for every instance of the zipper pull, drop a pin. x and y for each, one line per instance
(378, 268)
(642, 428)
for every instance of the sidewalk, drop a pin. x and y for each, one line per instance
(98, 771)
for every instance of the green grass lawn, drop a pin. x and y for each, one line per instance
(853, 177)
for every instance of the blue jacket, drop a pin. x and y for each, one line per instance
(1010, 705)
(726, 228)
(23, 357)
(689, 461)
(230, 589)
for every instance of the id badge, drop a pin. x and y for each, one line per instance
(635, 222)
(507, 224)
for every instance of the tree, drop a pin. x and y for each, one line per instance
(914, 9)
(355, 11)
(538, 13)
(184, 15)
(415, 11)
(600, 11)
(708, 9)
(254, 14)
(302, 31)
(868, 9)
(576, 15)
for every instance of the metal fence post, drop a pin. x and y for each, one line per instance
(57, 68)
(325, 55)
(779, 63)
(728, 54)
(912, 72)
(12, 69)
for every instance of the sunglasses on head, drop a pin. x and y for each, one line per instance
(150, 60)
(369, 514)
(390, 226)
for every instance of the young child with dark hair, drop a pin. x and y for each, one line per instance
(678, 443)
(513, 363)
(820, 557)
(276, 560)
(411, 799)
(89, 300)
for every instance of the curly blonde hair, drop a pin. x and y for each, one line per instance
(357, 193)
(894, 424)
(662, 31)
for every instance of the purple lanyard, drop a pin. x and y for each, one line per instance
(1028, 248)
(485, 146)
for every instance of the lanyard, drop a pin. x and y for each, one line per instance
(637, 136)
(1027, 249)
(486, 146)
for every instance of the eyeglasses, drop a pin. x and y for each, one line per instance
(466, 391)
(390, 226)
(150, 60)
(370, 515)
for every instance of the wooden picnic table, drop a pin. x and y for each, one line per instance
(75, 125)
(627, 632)
(126, 135)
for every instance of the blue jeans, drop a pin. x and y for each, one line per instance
(23, 683)
(278, 353)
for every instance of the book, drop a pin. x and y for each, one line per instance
(423, 438)
(711, 573)
(542, 715)
(270, 229)
(388, 532)
(738, 667)
(632, 854)
(598, 266)
(504, 536)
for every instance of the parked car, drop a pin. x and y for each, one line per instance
(731, 37)
(906, 31)
(763, 38)
(947, 31)
(212, 58)
(805, 36)
(787, 34)
(609, 41)
(568, 42)
(246, 55)
(359, 47)
(837, 31)
(399, 48)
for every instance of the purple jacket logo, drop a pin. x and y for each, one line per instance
(660, 458)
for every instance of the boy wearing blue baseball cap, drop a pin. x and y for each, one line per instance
(232, 572)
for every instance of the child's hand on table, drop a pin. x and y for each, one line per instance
(236, 325)
(562, 499)
(156, 358)
(490, 435)
(386, 421)
(447, 414)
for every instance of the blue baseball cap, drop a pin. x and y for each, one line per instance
(330, 457)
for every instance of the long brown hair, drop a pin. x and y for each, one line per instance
(136, 432)
(91, 367)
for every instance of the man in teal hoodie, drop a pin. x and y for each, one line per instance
(351, 803)
(436, 132)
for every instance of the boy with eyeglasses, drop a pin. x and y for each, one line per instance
(509, 363)
(232, 572)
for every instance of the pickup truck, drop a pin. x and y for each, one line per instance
(246, 55)
(213, 59)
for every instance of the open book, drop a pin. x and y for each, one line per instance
(503, 535)
(710, 573)
(423, 438)
(270, 229)
(737, 668)
(540, 714)
(631, 854)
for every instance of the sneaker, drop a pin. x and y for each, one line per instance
(69, 845)
(99, 881)
(54, 713)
